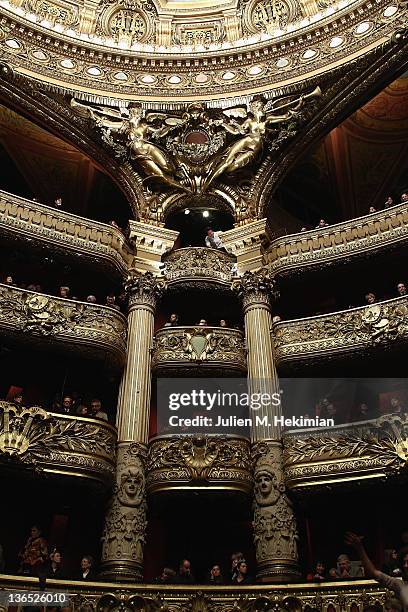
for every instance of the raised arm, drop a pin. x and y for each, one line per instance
(355, 542)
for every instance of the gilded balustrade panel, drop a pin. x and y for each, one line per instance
(180, 462)
(65, 232)
(216, 349)
(371, 449)
(95, 331)
(108, 597)
(348, 331)
(46, 442)
(198, 263)
(353, 238)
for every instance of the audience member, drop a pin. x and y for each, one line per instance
(345, 570)
(215, 575)
(242, 574)
(223, 323)
(58, 202)
(363, 412)
(202, 322)
(91, 299)
(173, 321)
(54, 567)
(396, 406)
(404, 197)
(111, 302)
(64, 292)
(67, 405)
(96, 410)
(9, 280)
(168, 576)
(18, 399)
(213, 240)
(391, 563)
(82, 410)
(235, 559)
(34, 554)
(87, 572)
(400, 587)
(303, 229)
(318, 574)
(276, 319)
(185, 576)
(372, 209)
(388, 202)
(401, 288)
(370, 298)
(322, 223)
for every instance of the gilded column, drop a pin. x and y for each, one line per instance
(275, 531)
(125, 523)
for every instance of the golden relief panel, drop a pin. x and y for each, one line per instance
(127, 22)
(62, 14)
(201, 34)
(47, 442)
(269, 16)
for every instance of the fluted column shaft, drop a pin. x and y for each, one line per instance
(275, 533)
(125, 523)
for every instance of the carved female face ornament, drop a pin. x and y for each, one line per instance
(131, 487)
(267, 491)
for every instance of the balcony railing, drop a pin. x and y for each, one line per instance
(90, 596)
(198, 263)
(195, 348)
(51, 443)
(191, 462)
(65, 232)
(365, 450)
(352, 238)
(43, 320)
(340, 333)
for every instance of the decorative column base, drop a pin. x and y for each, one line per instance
(125, 523)
(275, 532)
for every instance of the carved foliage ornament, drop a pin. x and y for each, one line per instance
(268, 16)
(125, 524)
(275, 531)
(256, 286)
(198, 262)
(128, 21)
(144, 288)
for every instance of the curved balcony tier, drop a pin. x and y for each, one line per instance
(199, 350)
(88, 596)
(191, 462)
(341, 454)
(45, 442)
(102, 244)
(356, 330)
(321, 247)
(185, 267)
(45, 321)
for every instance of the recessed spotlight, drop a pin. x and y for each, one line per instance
(206, 213)
(187, 211)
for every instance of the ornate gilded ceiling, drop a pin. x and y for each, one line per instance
(177, 51)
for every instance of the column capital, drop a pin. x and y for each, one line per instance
(256, 288)
(144, 289)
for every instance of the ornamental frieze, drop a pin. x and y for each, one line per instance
(199, 461)
(179, 347)
(348, 331)
(44, 441)
(195, 263)
(376, 448)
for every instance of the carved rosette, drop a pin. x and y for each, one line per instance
(199, 461)
(275, 532)
(144, 289)
(255, 288)
(125, 522)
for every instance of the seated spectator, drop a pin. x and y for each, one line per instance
(215, 575)
(322, 223)
(372, 209)
(111, 302)
(9, 280)
(242, 574)
(58, 202)
(391, 563)
(185, 576)
(329, 411)
(364, 413)
(396, 406)
(91, 299)
(96, 410)
(54, 567)
(34, 554)
(303, 229)
(202, 322)
(168, 576)
(82, 410)
(87, 572)
(64, 292)
(18, 399)
(332, 573)
(345, 569)
(223, 323)
(276, 319)
(401, 288)
(114, 224)
(318, 574)
(404, 198)
(173, 321)
(67, 405)
(388, 202)
(235, 559)
(370, 298)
